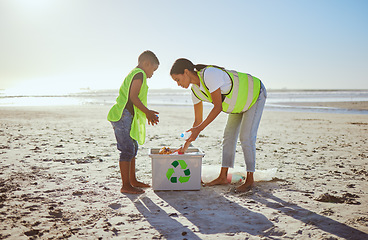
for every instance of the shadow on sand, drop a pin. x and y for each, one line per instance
(205, 211)
(184, 214)
(309, 217)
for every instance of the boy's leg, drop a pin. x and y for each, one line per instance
(133, 179)
(128, 150)
(125, 176)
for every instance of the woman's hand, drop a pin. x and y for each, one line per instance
(183, 148)
(195, 133)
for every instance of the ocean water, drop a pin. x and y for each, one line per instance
(277, 100)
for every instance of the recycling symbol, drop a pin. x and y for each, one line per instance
(171, 171)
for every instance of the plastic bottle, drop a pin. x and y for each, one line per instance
(234, 178)
(185, 135)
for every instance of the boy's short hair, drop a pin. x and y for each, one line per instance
(150, 56)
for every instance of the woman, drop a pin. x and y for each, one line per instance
(240, 95)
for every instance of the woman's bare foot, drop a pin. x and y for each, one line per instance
(131, 190)
(244, 187)
(218, 181)
(249, 181)
(221, 179)
(139, 184)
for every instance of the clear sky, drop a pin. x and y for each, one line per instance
(64, 45)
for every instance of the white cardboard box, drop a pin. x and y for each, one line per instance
(176, 172)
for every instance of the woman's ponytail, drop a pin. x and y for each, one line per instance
(199, 67)
(182, 63)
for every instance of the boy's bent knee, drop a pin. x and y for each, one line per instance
(126, 157)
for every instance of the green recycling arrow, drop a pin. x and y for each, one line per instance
(183, 179)
(171, 171)
(183, 164)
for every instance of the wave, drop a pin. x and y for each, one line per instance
(276, 100)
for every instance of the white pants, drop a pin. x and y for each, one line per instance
(245, 125)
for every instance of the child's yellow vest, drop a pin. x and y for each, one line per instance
(242, 96)
(138, 129)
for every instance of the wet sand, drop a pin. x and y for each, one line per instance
(341, 105)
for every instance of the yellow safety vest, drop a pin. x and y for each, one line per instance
(242, 96)
(138, 128)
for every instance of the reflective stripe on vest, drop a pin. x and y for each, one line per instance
(244, 92)
(199, 94)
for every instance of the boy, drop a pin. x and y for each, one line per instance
(128, 118)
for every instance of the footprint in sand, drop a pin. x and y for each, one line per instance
(115, 206)
(347, 198)
(32, 232)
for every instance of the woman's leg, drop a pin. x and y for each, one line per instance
(231, 134)
(248, 136)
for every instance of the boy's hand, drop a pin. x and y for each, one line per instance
(152, 117)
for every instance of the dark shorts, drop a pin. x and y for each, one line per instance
(127, 146)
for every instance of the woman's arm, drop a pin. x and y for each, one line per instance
(198, 117)
(216, 110)
(198, 113)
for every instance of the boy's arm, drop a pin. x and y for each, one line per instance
(135, 87)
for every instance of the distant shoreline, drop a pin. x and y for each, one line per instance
(317, 100)
(89, 91)
(315, 90)
(353, 105)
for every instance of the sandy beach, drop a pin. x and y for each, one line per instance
(59, 179)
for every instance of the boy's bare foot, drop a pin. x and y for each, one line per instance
(131, 190)
(218, 181)
(244, 187)
(139, 184)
